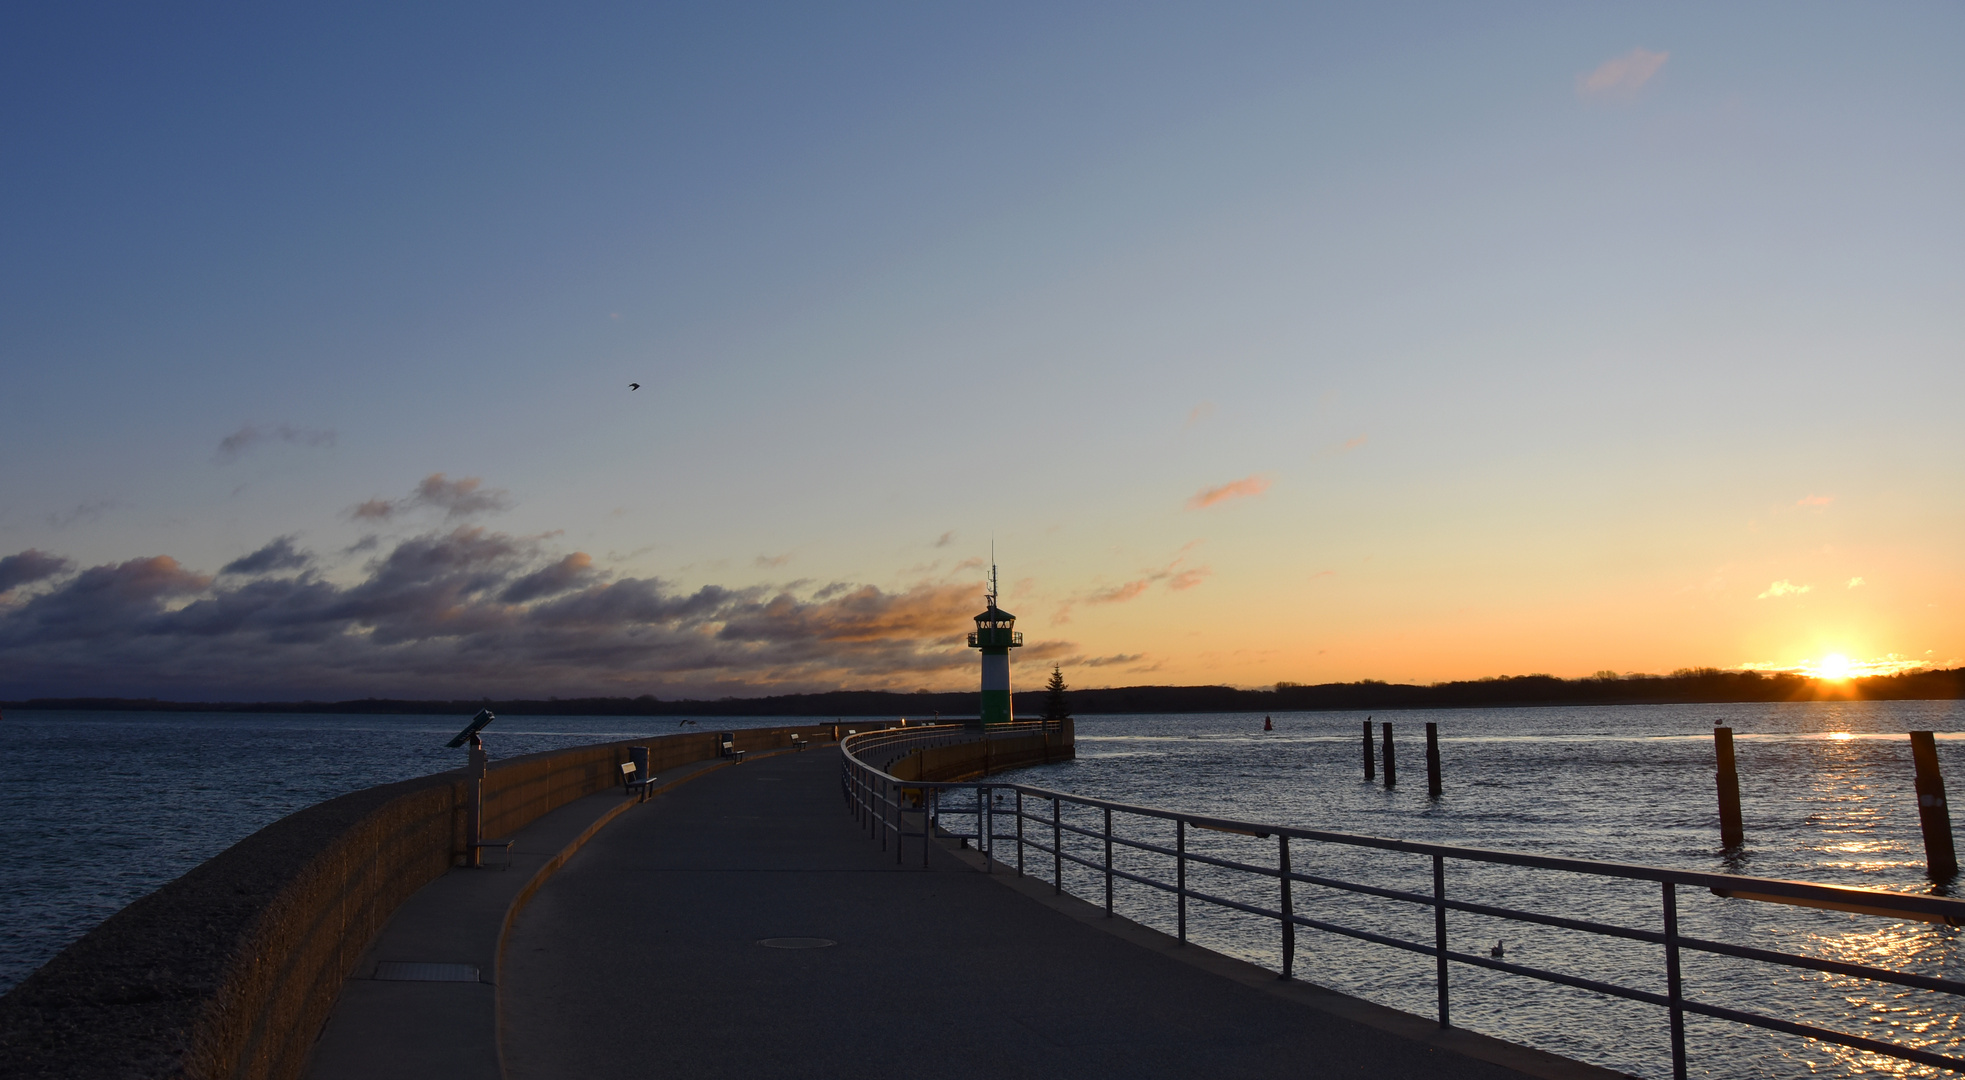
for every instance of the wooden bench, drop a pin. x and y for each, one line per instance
(797, 743)
(643, 785)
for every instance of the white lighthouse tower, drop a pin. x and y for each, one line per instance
(995, 635)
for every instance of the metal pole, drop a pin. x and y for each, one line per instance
(1289, 909)
(1674, 990)
(1439, 931)
(986, 825)
(1108, 861)
(1019, 833)
(474, 825)
(1180, 874)
(930, 802)
(1940, 857)
(1057, 847)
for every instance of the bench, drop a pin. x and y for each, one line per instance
(634, 785)
(502, 845)
(797, 743)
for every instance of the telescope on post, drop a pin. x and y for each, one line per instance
(471, 729)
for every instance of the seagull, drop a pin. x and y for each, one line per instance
(1497, 951)
(634, 386)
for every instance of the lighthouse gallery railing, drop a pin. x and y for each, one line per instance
(882, 801)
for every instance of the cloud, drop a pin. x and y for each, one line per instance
(1782, 588)
(1815, 500)
(462, 613)
(456, 498)
(87, 511)
(1353, 443)
(1251, 485)
(770, 561)
(29, 567)
(1855, 582)
(278, 554)
(1621, 76)
(1187, 579)
(251, 435)
(1199, 413)
(1118, 594)
(945, 539)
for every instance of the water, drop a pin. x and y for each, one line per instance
(100, 808)
(1826, 796)
(97, 809)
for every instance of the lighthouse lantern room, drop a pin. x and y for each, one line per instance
(995, 635)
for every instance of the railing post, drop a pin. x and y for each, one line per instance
(1674, 989)
(986, 826)
(1288, 908)
(1019, 833)
(1439, 932)
(1057, 846)
(881, 818)
(931, 801)
(1180, 876)
(1108, 861)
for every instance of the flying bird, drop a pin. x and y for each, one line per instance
(634, 386)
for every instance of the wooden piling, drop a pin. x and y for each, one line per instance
(1368, 748)
(1391, 764)
(1731, 835)
(1940, 857)
(1432, 760)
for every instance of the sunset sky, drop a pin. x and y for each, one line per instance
(1306, 343)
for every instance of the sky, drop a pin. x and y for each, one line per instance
(1259, 343)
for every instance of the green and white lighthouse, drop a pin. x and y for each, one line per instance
(995, 636)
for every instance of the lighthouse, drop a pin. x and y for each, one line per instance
(995, 636)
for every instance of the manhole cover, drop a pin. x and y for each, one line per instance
(796, 942)
(399, 971)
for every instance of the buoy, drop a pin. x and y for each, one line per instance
(1266, 725)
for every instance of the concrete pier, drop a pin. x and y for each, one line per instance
(642, 955)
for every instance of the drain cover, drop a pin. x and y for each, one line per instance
(796, 942)
(399, 971)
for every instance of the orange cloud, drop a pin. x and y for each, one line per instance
(1353, 444)
(1253, 484)
(1187, 579)
(1622, 76)
(1199, 413)
(1118, 594)
(1784, 587)
(1815, 500)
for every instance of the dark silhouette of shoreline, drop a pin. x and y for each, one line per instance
(1680, 688)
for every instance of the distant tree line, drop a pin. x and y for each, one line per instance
(1686, 686)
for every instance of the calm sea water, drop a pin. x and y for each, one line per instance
(100, 808)
(97, 809)
(1826, 796)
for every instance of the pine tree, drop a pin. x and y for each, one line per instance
(1055, 710)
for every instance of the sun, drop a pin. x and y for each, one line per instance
(1832, 666)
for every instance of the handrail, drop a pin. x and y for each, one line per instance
(881, 801)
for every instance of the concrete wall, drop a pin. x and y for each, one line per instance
(983, 757)
(230, 971)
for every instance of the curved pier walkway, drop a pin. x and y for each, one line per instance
(641, 958)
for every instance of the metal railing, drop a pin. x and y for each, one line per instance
(884, 803)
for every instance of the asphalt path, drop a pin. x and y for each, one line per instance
(642, 958)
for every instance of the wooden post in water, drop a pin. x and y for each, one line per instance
(1368, 754)
(1940, 857)
(1432, 760)
(1731, 835)
(1391, 764)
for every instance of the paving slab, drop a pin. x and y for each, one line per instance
(650, 954)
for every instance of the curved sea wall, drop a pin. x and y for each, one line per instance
(980, 756)
(230, 971)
